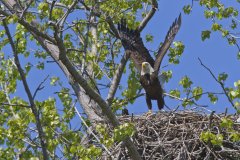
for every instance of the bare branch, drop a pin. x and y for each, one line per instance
(117, 78)
(58, 4)
(26, 8)
(221, 84)
(40, 87)
(148, 16)
(112, 26)
(64, 17)
(51, 9)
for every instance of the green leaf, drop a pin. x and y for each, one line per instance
(176, 52)
(231, 41)
(217, 140)
(238, 55)
(205, 35)
(209, 13)
(57, 13)
(133, 84)
(124, 130)
(234, 94)
(237, 84)
(197, 93)
(167, 75)
(234, 24)
(28, 67)
(40, 65)
(206, 136)
(54, 80)
(226, 123)
(40, 54)
(235, 137)
(187, 9)
(149, 38)
(213, 98)
(214, 139)
(2, 33)
(43, 7)
(187, 102)
(222, 77)
(225, 33)
(186, 82)
(216, 27)
(175, 93)
(73, 149)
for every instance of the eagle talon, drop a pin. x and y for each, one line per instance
(149, 113)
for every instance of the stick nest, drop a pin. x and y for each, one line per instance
(176, 136)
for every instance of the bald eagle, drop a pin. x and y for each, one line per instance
(145, 64)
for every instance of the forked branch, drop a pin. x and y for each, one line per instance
(219, 82)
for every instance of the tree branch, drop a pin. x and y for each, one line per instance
(40, 87)
(51, 9)
(28, 92)
(221, 84)
(148, 16)
(112, 26)
(117, 78)
(64, 17)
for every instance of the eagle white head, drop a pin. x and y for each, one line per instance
(146, 68)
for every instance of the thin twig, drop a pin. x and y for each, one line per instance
(219, 82)
(62, 20)
(40, 87)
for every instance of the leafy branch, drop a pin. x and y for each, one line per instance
(28, 92)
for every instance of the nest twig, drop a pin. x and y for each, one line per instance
(176, 136)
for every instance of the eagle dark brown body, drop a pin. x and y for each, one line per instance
(153, 89)
(133, 45)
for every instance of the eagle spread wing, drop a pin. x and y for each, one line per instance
(133, 44)
(167, 42)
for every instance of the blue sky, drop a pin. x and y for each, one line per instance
(214, 52)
